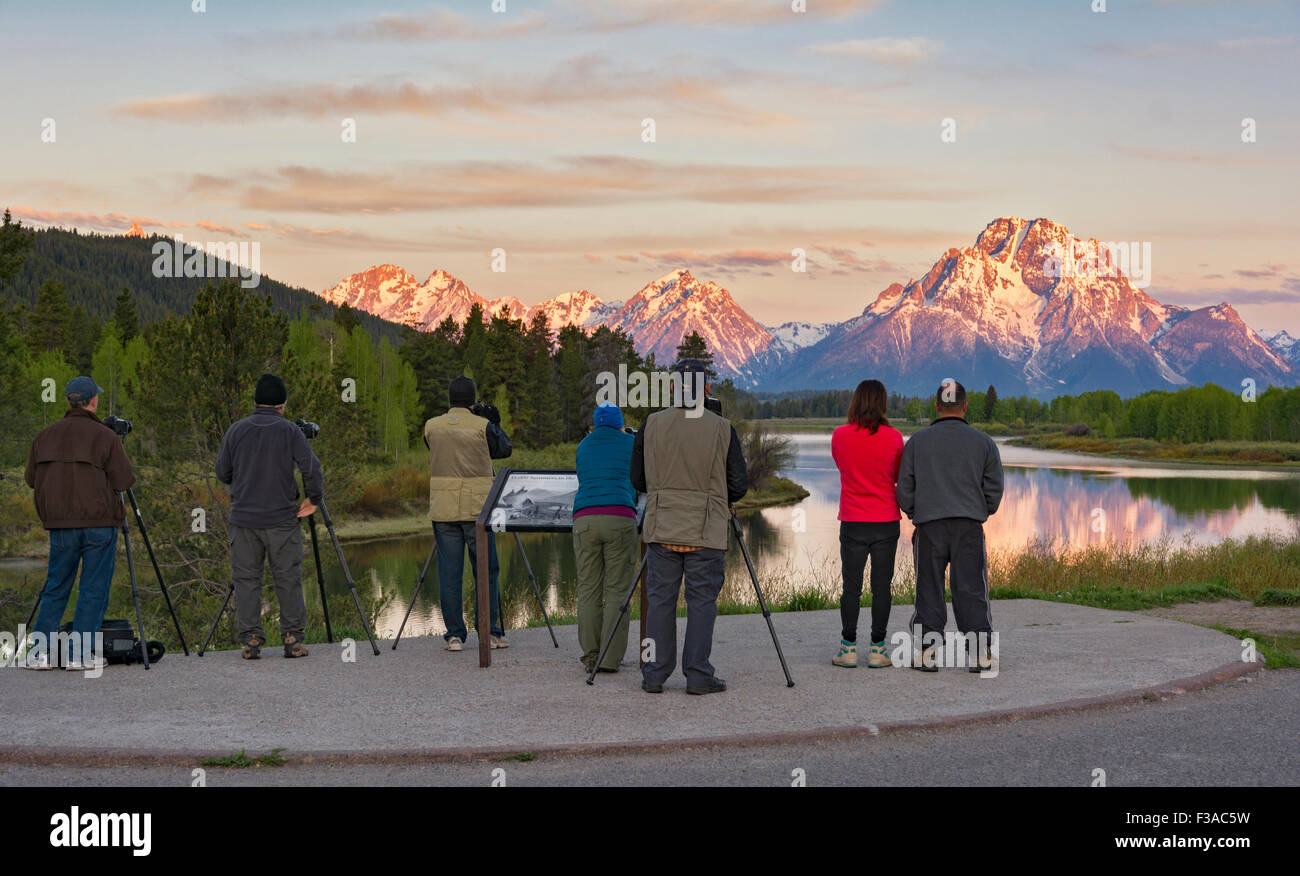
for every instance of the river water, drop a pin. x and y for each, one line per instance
(1066, 499)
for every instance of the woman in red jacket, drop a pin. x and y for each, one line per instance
(867, 451)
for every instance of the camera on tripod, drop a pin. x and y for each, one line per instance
(117, 424)
(309, 429)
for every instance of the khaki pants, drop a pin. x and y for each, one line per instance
(605, 548)
(249, 550)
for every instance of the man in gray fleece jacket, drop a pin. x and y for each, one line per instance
(257, 458)
(949, 482)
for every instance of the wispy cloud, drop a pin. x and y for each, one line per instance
(586, 81)
(443, 24)
(611, 15)
(584, 181)
(883, 50)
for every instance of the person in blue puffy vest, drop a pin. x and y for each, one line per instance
(604, 536)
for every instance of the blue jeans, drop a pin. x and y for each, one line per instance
(451, 540)
(95, 550)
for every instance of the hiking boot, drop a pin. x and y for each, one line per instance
(847, 656)
(588, 664)
(252, 649)
(453, 644)
(713, 685)
(878, 656)
(37, 660)
(500, 642)
(926, 660)
(982, 662)
(293, 646)
(651, 687)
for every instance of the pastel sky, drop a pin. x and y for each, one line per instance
(773, 130)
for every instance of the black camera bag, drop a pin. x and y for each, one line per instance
(120, 643)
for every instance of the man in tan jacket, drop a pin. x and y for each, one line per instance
(689, 462)
(462, 444)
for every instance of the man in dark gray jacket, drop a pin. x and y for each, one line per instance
(257, 458)
(949, 482)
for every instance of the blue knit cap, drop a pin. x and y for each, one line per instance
(608, 415)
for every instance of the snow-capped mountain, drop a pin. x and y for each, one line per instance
(665, 311)
(1030, 308)
(394, 294)
(1027, 307)
(1284, 345)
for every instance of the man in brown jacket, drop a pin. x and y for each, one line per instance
(78, 469)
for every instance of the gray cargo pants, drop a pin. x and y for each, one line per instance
(249, 549)
(704, 571)
(955, 544)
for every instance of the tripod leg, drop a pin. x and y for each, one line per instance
(347, 573)
(627, 600)
(225, 602)
(144, 534)
(419, 582)
(320, 578)
(135, 593)
(536, 590)
(767, 615)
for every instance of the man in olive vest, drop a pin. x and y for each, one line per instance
(689, 463)
(462, 444)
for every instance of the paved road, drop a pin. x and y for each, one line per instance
(421, 699)
(1238, 733)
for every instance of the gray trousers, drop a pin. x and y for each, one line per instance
(249, 550)
(703, 570)
(955, 544)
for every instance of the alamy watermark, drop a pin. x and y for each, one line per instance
(1106, 260)
(652, 389)
(176, 258)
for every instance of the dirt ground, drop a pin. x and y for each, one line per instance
(1237, 614)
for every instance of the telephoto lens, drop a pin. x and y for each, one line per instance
(117, 424)
(309, 429)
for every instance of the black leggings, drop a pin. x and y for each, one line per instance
(857, 542)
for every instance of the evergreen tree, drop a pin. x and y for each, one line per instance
(126, 322)
(990, 403)
(694, 347)
(345, 317)
(51, 319)
(15, 243)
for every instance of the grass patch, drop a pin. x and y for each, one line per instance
(1278, 651)
(1285, 453)
(1123, 598)
(779, 491)
(1278, 597)
(522, 757)
(240, 760)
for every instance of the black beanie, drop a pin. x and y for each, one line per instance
(270, 391)
(462, 392)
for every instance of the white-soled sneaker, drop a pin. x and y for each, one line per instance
(453, 644)
(91, 665)
(38, 661)
(500, 642)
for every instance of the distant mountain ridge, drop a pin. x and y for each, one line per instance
(94, 268)
(1027, 307)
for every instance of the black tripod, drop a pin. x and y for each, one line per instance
(753, 576)
(135, 591)
(347, 573)
(424, 570)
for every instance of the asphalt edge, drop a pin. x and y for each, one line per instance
(66, 756)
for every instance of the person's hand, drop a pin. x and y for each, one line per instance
(306, 509)
(489, 413)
